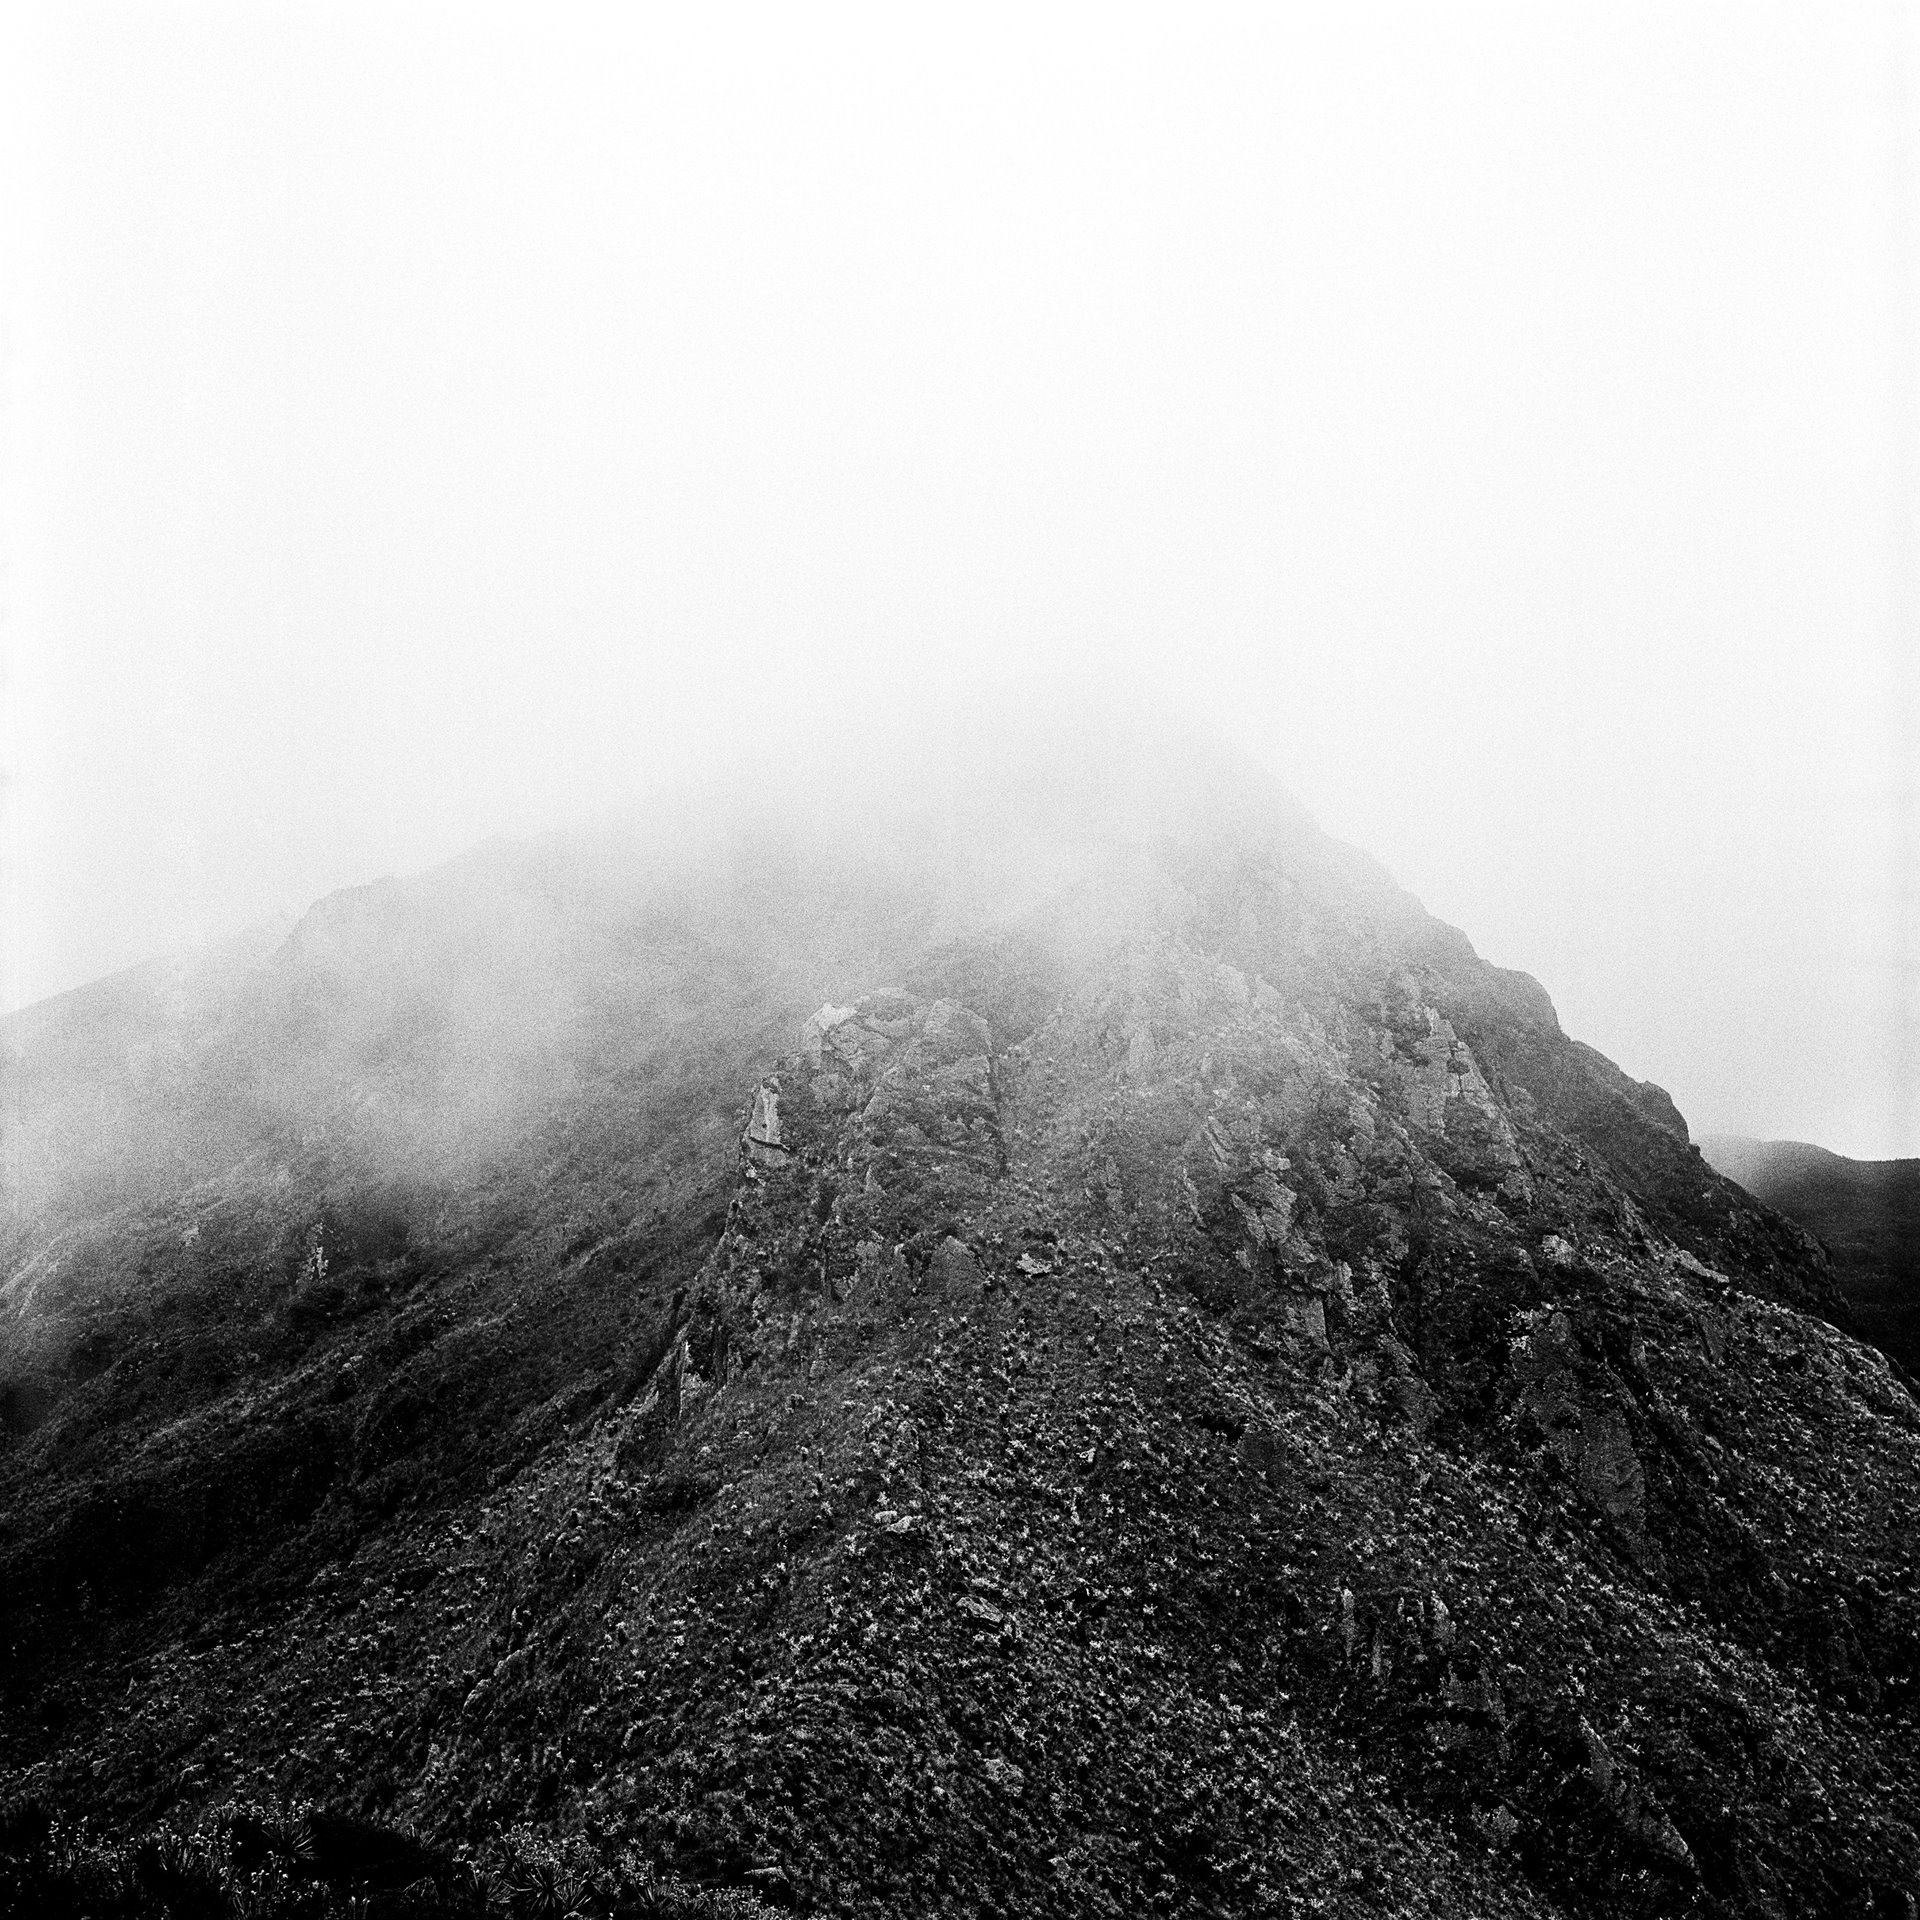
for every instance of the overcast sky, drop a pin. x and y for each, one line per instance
(426, 423)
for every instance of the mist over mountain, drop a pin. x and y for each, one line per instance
(986, 1325)
(416, 1025)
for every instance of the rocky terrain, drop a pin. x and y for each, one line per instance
(1865, 1213)
(1077, 1354)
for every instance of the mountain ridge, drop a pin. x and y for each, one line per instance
(1060, 1348)
(1866, 1213)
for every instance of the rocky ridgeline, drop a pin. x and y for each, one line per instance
(1202, 1400)
(1215, 1353)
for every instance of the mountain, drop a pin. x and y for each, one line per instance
(1010, 1331)
(1865, 1213)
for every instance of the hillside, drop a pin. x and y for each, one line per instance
(1865, 1213)
(1038, 1340)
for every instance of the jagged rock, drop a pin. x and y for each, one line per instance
(763, 1138)
(814, 1036)
(1586, 1432)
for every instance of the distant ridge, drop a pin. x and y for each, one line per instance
(1865, 1212)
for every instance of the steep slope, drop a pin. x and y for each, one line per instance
(1177, 1389)
(1865, 1213)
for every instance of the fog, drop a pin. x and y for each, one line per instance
(425, 424)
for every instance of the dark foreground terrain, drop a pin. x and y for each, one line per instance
(1865, 1213)
(1093, 1360)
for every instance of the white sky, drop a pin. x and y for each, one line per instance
(423, 423)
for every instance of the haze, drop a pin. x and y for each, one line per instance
(425, 424)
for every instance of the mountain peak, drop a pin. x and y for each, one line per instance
(974, 1342)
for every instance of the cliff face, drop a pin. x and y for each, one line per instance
(1176, 1388)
